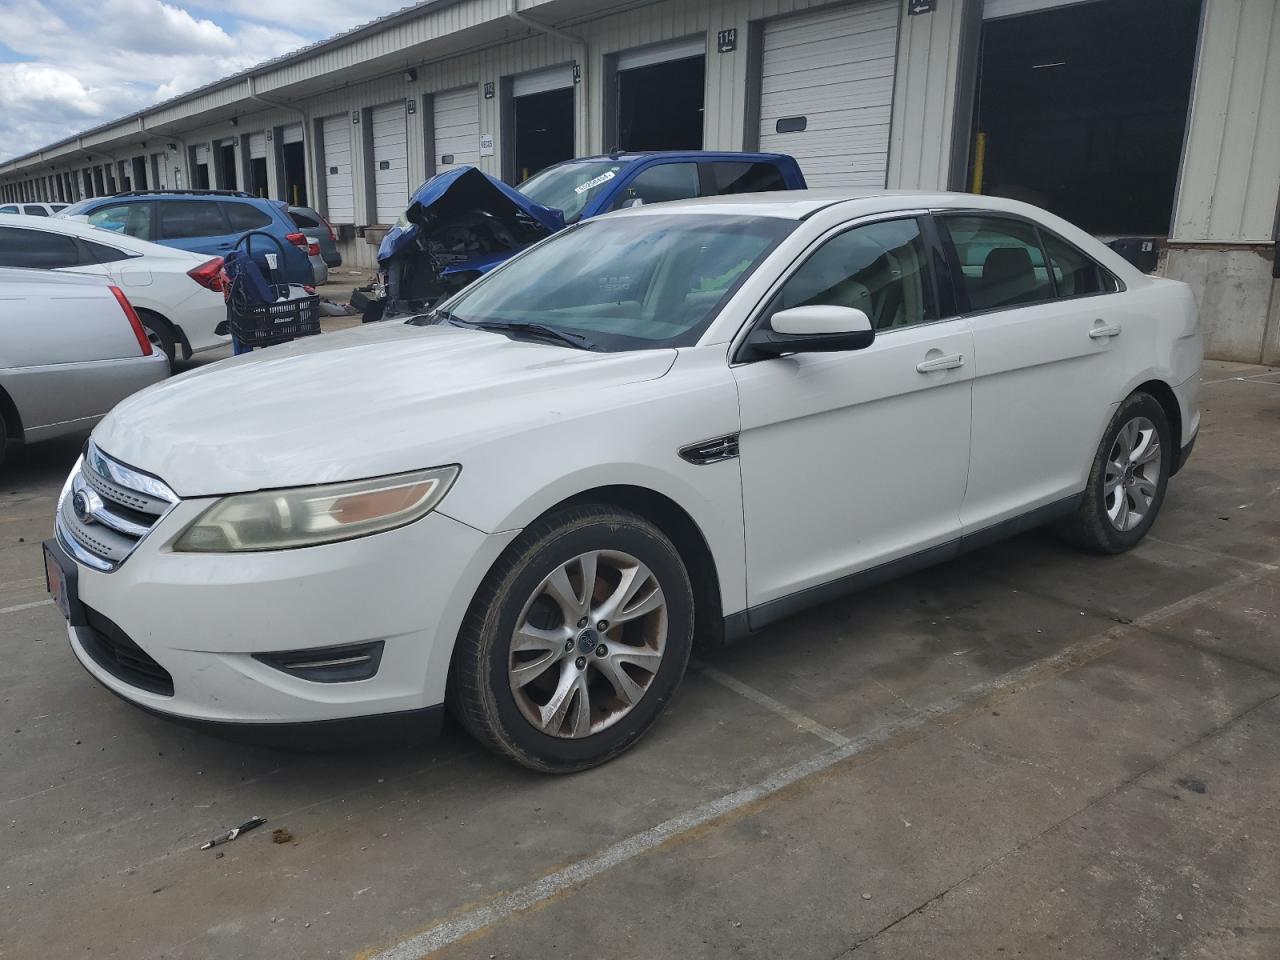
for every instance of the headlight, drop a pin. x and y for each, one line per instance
(306, 516)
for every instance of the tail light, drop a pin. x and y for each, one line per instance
(313, 250)
(328, 226)
(209, 275)
(143, 340)
(297, 239)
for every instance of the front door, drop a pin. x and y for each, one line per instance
(852, 460)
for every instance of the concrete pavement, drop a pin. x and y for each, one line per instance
(1029, 752)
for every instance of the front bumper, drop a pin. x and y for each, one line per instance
(201, 617)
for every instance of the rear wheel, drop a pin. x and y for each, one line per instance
(576, 641)
(1127, 480)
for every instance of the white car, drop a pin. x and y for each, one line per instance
(178, 294)
(71, 347)
(33, 209)
(686, 418)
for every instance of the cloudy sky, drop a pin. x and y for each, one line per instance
(67, 65)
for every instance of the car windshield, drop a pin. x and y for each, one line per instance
(569, 187)
(624, 283)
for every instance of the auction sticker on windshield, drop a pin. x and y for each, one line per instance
(594, 182)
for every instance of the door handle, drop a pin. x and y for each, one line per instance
(941, 363)
(1102, 330)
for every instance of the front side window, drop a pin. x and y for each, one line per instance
(735, 177)
(8, 208)
(37, 248)
(626, 284)
(569, 187)
(879, 268)
(1001, 262)
(660, 183)
(183, 219)
(131, 219)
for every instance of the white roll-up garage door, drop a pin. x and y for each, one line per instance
(826, 92)
(457, 127)
(339, 194)
(257, 146)
(291, 133)
(540, 81)
(390, 161)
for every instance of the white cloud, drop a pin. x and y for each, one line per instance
(323, 17)
(86, 64)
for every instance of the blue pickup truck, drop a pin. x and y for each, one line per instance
(462, 223)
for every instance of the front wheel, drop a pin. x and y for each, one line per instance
(576, 641)
(1127, 480)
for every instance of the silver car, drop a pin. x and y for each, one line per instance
(71, 348)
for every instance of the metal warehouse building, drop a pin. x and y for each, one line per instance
(1134, 118)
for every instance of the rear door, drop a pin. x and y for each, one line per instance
(1048, 363)
(195, 225)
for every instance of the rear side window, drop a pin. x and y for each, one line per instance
(1074, 274)
(1001, 263)
(37, 248)
(245, 216)
(101, 253)
(656, 184)
(8, 208)
(181, 219)
(731, 177)
(32, 210)
(131, 219)
(57, 207)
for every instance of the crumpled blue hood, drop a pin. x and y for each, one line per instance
(461, 189)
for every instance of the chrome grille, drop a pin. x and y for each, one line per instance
(106, 508)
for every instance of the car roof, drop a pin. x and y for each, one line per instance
(73, 227)
(629, 156)
(799, 204)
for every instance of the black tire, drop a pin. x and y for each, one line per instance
(4, 438)
(1092, 526)
(160, 334)
(480, 691)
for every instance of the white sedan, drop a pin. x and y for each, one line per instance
(178, 294)
(683, 419)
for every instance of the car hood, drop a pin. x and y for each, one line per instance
(365, 402)
(460, 190)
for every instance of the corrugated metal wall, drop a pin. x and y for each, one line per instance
(1231, 162)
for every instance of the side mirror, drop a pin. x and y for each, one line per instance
(633, 202)
(820, 328)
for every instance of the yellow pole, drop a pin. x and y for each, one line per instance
(979, 162)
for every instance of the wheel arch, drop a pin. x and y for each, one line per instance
(1164, 395)
(682, 529)
(179, 335)
(12, 419)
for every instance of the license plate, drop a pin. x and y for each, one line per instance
(56, 582)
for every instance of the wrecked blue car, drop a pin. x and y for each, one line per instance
(463, 223)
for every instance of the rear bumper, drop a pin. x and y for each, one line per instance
(63, 398)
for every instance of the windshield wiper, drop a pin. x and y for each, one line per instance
(528, 328)
(433, 317)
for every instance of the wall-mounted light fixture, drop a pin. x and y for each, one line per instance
(411, 75)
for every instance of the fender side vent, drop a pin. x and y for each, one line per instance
(711, 451)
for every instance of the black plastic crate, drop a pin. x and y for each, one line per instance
(261, 325)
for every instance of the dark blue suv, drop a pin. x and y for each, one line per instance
(202, 221)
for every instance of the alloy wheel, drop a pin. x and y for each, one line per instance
(588, 644)
(1132, 477)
